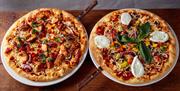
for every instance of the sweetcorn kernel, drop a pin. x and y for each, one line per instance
(147, 43)
(154, 45)
(123, 46)
(135, 49)
(124, 64)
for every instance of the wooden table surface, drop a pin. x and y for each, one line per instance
(100, 83)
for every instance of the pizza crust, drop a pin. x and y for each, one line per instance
(53, 73)
(167, 66)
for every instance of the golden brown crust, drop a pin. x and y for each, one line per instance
(98, 57)
(53, 73)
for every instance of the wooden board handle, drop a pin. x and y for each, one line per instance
(89, 8)
(87, 79)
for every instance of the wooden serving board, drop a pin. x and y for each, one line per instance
(100, 83)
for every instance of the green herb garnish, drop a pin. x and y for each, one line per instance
(34, 24)
(50, 59)
(18, 45)
(43, 57)
(57, 39)
(19, 38)
(145, 52)
(144, 30)
(125, 39)
(163, 48)
(34, 31)
(44, 41)
(43, 18)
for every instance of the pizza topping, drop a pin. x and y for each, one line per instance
(58, 39)
(122, 64)
(26, 67)
(22, 57)
(41, 67)
(34, 24)
(102, 41)
(77, 54)
(44, 47)
(127, 75)
(37, 29)
(8, 50)
(137, 68)
(52, 44)
(31, 38)
(43, 58)
(11, 58)
(126, 18)
(59, 59)
(50, 59)
(159, 36)
(49, 64)
(100, 31)
(145, 52)
(34, 31)
(144, 30)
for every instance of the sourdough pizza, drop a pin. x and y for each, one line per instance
(134, 46)
(45, 44)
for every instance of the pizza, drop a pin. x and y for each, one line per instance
(45, 44)
(134, 46)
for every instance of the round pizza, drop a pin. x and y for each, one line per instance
(45, 44)
(132, 45)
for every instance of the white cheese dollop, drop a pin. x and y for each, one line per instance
(126, 18)
(137, 68)
(159, 36)
(102, 41)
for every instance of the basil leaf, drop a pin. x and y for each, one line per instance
(125, 39)
(145, 52)
(144, 29)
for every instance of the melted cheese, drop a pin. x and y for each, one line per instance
(159, 36)
(137, 68)
(126, 18)
(102, 41)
